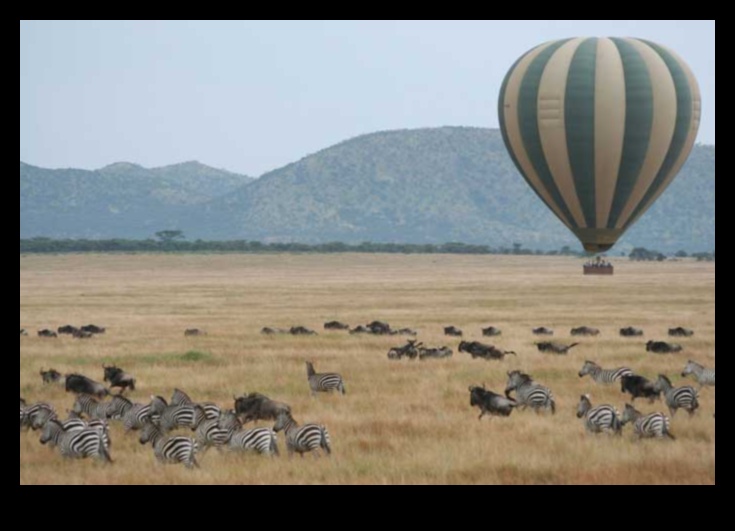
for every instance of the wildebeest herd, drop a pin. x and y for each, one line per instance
(85, 433)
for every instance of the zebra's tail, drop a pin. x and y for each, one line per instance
(342, 388)
(552, 405)
(326, 444)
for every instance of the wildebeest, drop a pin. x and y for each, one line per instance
(553, 347)
(379, 328)
(254, 406)
(67, 330)
(639, 387)
(480, 350)
(360, 330)
(631, 332)
(662, 347)
(47, 333)
(491, 331)
(50, 377)
(268, 331)
(336, 325)
(23, 332)
(409, 350)
(491, 403)
(543, 331)
(93, 329)
(81, 334)
(585, 331)
(680, 332)
(452, 331)
(406, 332)
(194, 332)
(81, 385)
(118, 378)
(437, 353)
(301, 331)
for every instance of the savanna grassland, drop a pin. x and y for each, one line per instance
(401, 422)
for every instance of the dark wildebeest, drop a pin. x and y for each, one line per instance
(23, 332)
(491, 403)
(452, 331)
(267, 331)
(631, 332)
(491, 331)
(47, 333)
(68, 330)
(554, 348)
(406, 332)
(301, 331)
(543, 331)
(93, 329)
(379, 328)
(409, 350)
(585, 331)
(479, 350)
(255, 407)
(680, 332)
(360, 330)
(81, 334)
(194, 332)
(118, 378)
(81, 385)
(50, 377)
(639, 387)
(661, 347)
(437, 353)
(336, 325)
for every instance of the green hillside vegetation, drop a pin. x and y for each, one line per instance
(424, 186)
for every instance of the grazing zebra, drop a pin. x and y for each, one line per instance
(303, 439)
(261, 440)
(603, 376)
(598, 419)
(677, 397)
(324, 383)
(89, 406)
(172, 450)
(136, 417)
(647, 426)
(76, 444)
(703, 375)
(529, 393)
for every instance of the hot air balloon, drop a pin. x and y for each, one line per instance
(599, 127)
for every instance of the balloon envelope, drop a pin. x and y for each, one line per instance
(599, 127)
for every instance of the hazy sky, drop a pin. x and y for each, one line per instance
(252, 96)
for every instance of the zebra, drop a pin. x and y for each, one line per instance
(41, 417)
(647, 426)
(173, 450)
(261, 440)
(303, 439)
(598, 419)
(75, 422)
(174, 417)
(677, 397)
(324, 383)
(76, 444)
(529, 393)
(703, 375)
(603, 376)
(118, 407)
(89, 406)
(29, 413)
(180, 398)
(211, 411)
(136, 417)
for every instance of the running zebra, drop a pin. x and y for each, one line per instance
(529, 393)
(41, 417)
(677, 397)
(29, 413)
(173, 450)
(303, 439)
(261, 440)
(598, 419)
(324, 383)
(647, 426)
(211, 433)
(180, 398)
(118, 407)
(603, 376)
(75, 422)
(174, 417)
(136, 417)
(76, 444)
(91, 407)
(703, 375)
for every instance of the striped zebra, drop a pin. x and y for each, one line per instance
(174, 417)
(136, 417)
(598, 419)
(29, 413)
(75, 422)
(261, 440)
(91, 407)
(173, 450)
(211, 411)
(324, 383)
(677, 397)
(303, 439)
(118, 407)
(210, 434)
(603, 376)
(180, 398)
(41, 417)
(703, 375)
(76, 444)
(529, 393)
(647, 426)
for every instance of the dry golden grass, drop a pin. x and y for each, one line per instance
(401, 422)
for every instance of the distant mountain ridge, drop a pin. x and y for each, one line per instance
(408, 186)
